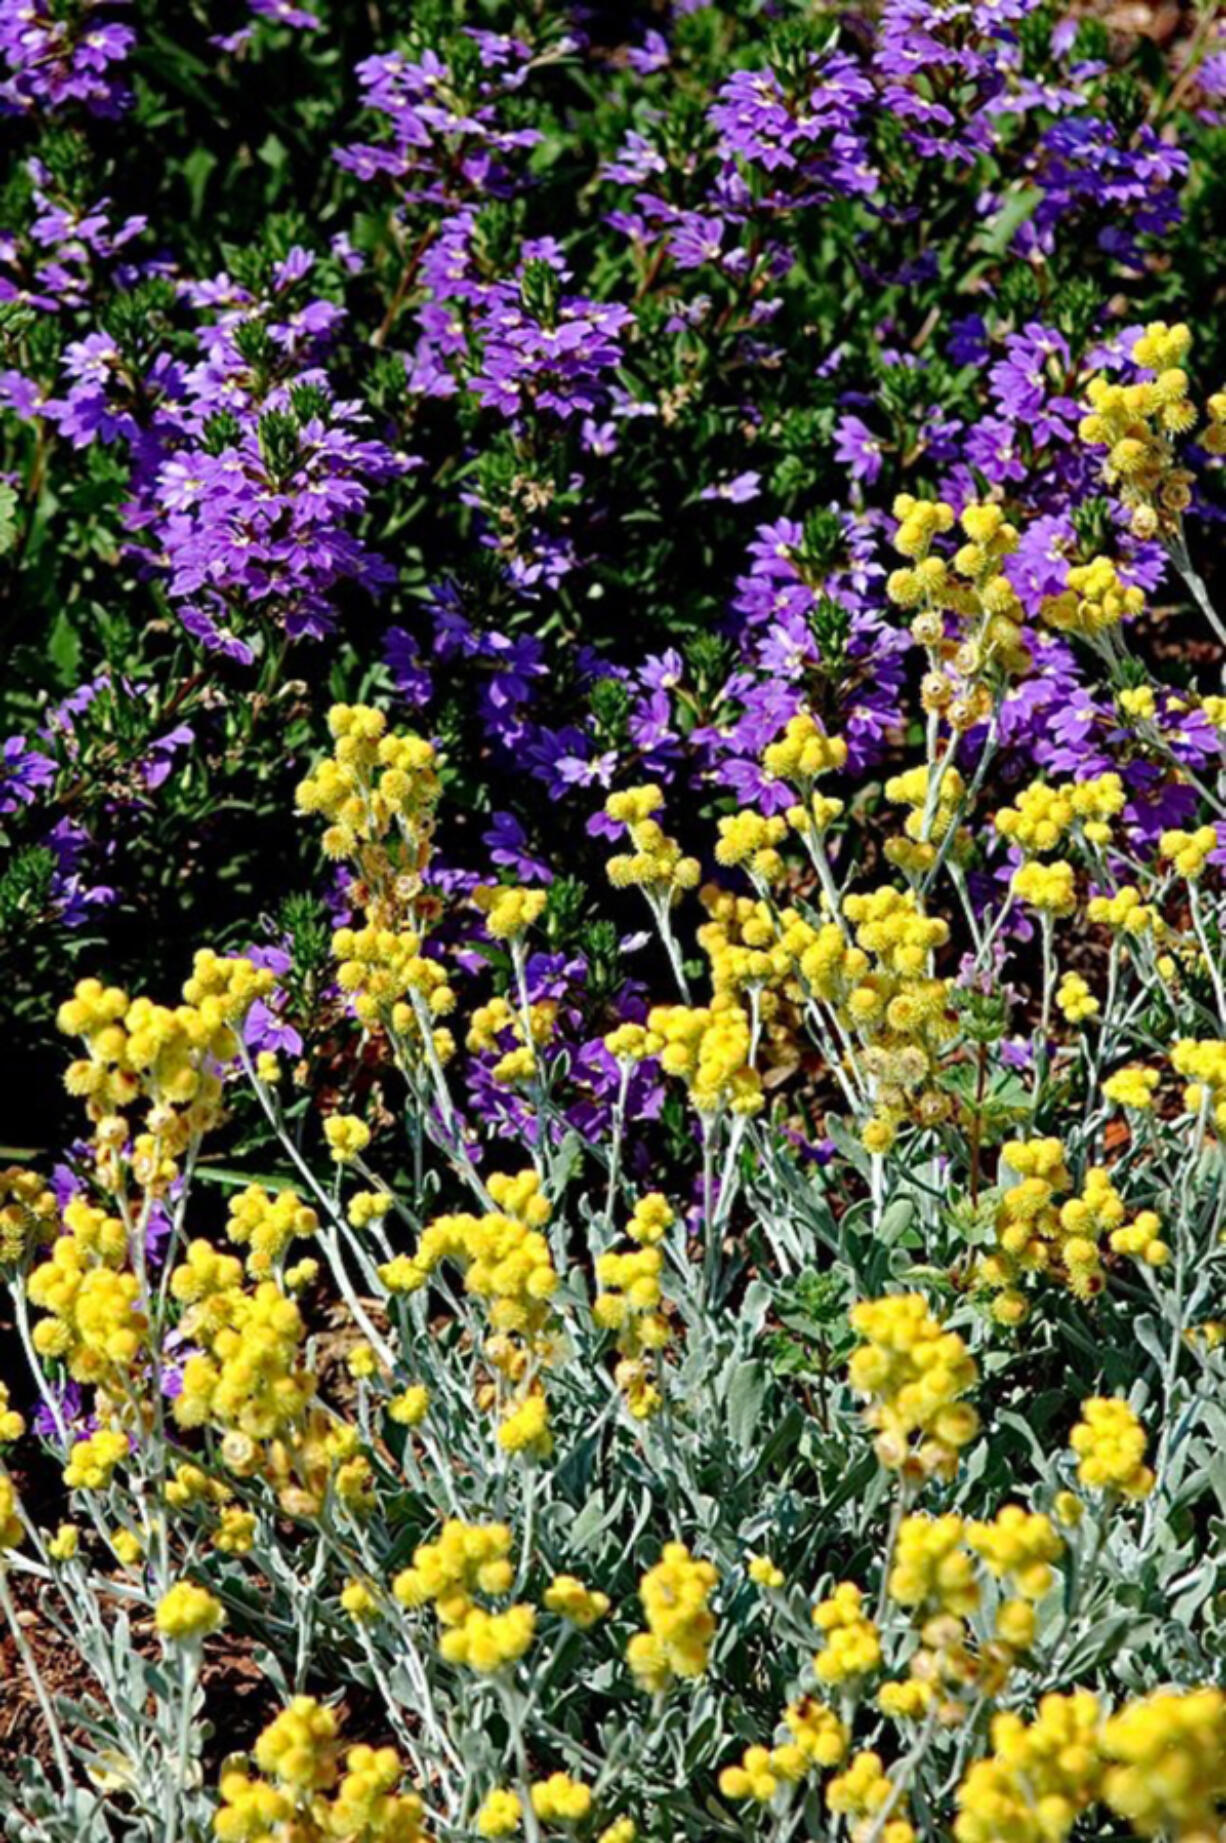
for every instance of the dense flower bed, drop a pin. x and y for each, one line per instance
(613, 923)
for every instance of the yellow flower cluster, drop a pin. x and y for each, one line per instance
(1038, 1779)
(1166, 1764)
(303, 1791)
(531, 1031)
(28, 1214)
(1049, 888)
(375, 785)
(1075, 1000)
(95, 1324)
(93, 1461)
(573, 1601)
(1094, 600)
(969, 614)
(1202, 1063)
(1110, 1442)
(1124, 913)
(803, 752)
(656, 865)
(628, 1303)
(169, 1057)
(860, 1792)
(816, 1738)
(1158, 1763)
(469, 1559)
(506, 1262)
(509, 911)
(680, 1624)
(186, 1614)
(1044, 816)
(386, 975)
(11, 1527)
(561, 1799)
(266, 1224)
(852, 1645)
(12, 1425)
(1135, 423)
(1038, 1234)
(1188, 852)
(709, 1049)
(914, 1372)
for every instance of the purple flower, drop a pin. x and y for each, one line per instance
(858, 449)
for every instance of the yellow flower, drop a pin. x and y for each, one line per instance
(187, 1613)
(1109, 1442)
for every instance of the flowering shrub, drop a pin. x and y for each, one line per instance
(615, 819)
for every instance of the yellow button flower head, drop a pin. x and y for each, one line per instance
(1039, 1777)
(680, 1624)
(11, 1528)
(852, 1644)
(763, 1572)
(1018, 1545)
(1095, 600)
(1188, 852)
(346, 1135)
(1050, 888)
(29, 1214)
(803, 752)
(509, 911)
(579, 1604)
(1166, 1771)
(561, 1799)
(1110, 1442)
(187, 1613)
(913, 1372)
(500, 1813)
(1134, 1087)
(656, 865)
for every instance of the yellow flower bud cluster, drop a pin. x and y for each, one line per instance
(925, 827)
(249, 1375)
(656, 865)
(509, 911)
(931, 1569)
(1166, 1764)
(169, 1057)
(383, 970)
(1094, 600)
(506, 1262)
(95, 1324)
(629, 1304)
(12, 1529)
(29, 1215)
(303, 1792)
(852, 1645)
(266, 1224)
(1202, 1063)
(469, 1559)
(860, 1792)
(1049, 888)
(186, 1614)
(1158, 1764)
(985, 631)
(93, 1462)
(500, 1813)
(573, 1601)
(680, 1624)
(1133, 1087)
(1019, 1546)
(1110, 1443)
(752, 840)
(375, 786)
(709, 1049)
(1038, 1779)
(1044, 816)
(560, 1799)
(1187, 852)
(914, 1372)
(631, 1043)
(803, 752)
(12, 1426)
(1038, 1234)
(1124, 913)
(495, 1023)
(1075, 999)
(1136, 424)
